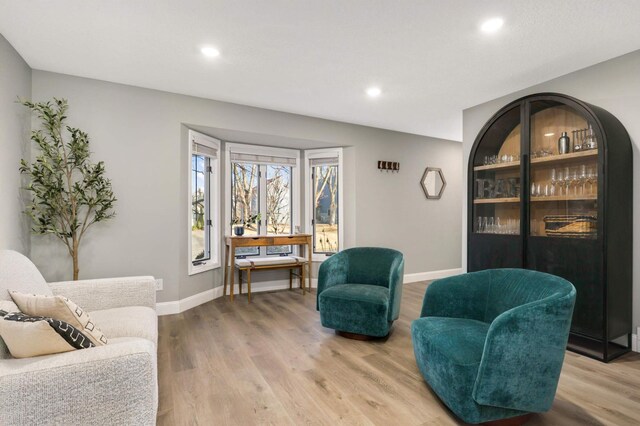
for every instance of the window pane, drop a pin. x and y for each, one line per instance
(325, 211)
(245, 202)
(199, 209)
(278, 204)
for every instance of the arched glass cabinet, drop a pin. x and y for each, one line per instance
(550, 189)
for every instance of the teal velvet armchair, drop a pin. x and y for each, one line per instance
(491, 344)
(359, 291)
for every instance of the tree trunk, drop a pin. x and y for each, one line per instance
(332, 213)
(76, 268)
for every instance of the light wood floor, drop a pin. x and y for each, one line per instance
(272, 362)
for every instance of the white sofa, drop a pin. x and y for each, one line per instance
(113, 384)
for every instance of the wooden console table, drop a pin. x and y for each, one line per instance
(233, 242)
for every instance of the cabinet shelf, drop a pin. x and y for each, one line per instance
(590, 197)
(499, 166)
(565, 157)
(495, 200)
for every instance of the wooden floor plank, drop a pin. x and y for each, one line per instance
(271, 362)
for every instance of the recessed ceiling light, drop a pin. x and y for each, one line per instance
(374, 92)
(492, 25)
(210, 52)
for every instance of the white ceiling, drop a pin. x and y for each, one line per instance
(316, 57)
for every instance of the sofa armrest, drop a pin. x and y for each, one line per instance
(107, 293)
(396, 278)
(460, 296)
(111, 384)
(527, 342)
(333, 271)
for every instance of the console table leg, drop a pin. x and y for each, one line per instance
(232, 269)
(248, 285)
(226, 270)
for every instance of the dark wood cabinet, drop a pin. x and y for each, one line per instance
(562, 206)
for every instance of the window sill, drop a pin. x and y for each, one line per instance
(207, 266)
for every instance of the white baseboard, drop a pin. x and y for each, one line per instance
(431, 275)
(178, 306)
(634, 341)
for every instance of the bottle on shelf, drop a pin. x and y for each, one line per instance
(564, 144)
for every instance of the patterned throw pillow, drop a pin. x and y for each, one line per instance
(62, 309)
(27, 336)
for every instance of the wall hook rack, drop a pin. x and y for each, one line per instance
(389, 166)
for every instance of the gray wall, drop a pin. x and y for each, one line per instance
(613, 85)
(15, 80)
(141, 136)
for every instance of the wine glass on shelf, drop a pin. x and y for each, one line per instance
(592, 177)
(575, 180)
(554, 181)
(583, 176)
(560, 181)
(567, 180)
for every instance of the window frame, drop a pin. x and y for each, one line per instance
(212, 203)
(240, 148)
(309, 155)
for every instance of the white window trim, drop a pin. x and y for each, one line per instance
(214, 204)
(270, 151)
(308, 191)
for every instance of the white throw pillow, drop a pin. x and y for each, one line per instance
(60, 308)
(28, 336)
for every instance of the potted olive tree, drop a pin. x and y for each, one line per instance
(69, 193)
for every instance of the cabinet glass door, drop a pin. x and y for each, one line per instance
(496, 177)
(563, 178)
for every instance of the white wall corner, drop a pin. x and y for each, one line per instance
(431, 275)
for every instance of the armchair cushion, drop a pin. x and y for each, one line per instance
(128, 321)
(355, 308)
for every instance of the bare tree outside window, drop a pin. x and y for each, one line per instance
(278, 204)
(278, 197)
(325, 225)
(245, 196)
(245, 202)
